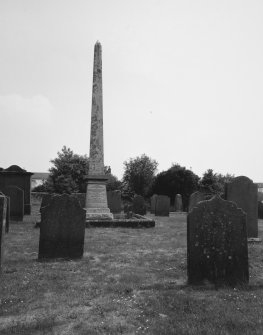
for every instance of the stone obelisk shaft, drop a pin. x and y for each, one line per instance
(96, 196)
(96, 158)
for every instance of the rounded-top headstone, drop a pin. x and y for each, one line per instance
(244, 193)
(178, 203)
(14, 168)
(217, 243)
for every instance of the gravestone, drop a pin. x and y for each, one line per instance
(81, 198)
(16, 176)
(153, 203)
(47, 197)
(260, 210)
(16, 196)
(162, 207)
(62, 228)
(178, 203)
(139, 206)
(217, 243)
(197, 197)
(114, 201)
(244, 193)
(45, 200)
(7, 212)
(3, 207)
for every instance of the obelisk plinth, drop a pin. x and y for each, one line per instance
(96, 195)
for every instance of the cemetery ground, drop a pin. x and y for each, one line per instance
(130, 281)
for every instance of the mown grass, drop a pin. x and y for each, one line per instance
(130, 281)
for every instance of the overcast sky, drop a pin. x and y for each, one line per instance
(182, 82)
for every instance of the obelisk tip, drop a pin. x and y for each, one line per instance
(98, 42)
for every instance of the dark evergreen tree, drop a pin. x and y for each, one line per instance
(176, 180)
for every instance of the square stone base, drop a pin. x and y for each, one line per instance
(98, 214)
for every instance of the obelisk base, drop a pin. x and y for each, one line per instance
(96, 200)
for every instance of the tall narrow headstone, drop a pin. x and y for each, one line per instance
(114, 201)
(7, 223)
(139, 206)
(3, 207)
(162, 207)
(260, 210)
(153, 203)
(244, 193)
(16, 196)
(217, 243)
(96, 196)
(62, 228)
(178, 203)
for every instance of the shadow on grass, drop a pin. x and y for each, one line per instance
(38, 326)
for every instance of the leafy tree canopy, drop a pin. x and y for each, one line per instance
(139, 174)
(68, 174)
(214, 183)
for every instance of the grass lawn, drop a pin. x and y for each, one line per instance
(130, 281)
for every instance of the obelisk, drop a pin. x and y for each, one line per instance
(96, 195)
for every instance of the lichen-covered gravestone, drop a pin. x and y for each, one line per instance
(244, 193)
(114, 201)
(3, 208)
(178, 203)
(162, 207)
(217, 243)
(62, 228)
(139, 205)
(153, 203)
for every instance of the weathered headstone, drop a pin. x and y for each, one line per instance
(3, 207)
(81, 198)
(47, 197)
(16, 176)
(16, 196)
(114, 201)
(45, 200)
(162, 207)
(260, 210)
(139, 206)
(244, 193)
(197, 197)
(217, 243)
(153, 203)
(178, 203)
(62, 228)
(7, 212)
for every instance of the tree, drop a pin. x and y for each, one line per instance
(214, 183)
(69, 174)
(113, 183)
(176, 180)
(139, 174)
